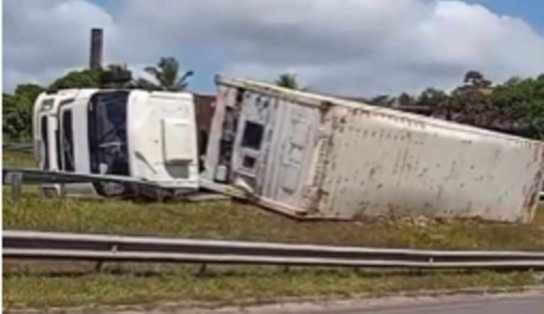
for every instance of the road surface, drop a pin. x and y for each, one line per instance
(527, 303)
(531, 305)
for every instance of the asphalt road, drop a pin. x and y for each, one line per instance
(531, 305)
(493, 304)
(523, 303)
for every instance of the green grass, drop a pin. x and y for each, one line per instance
(230, 286)
(18, 159)
(231, 220)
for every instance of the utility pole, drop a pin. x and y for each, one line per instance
(95, 61)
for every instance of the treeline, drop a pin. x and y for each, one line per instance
(515, 107)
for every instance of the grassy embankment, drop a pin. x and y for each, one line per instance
(40, 286)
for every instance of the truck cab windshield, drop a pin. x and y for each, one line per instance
(108, 145)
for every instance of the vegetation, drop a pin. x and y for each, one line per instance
(288, 81)
(78, 79)
(523, 101)
(227, 285)
(45, 284)
(431, 97)
(167, 74)
(18, 159)
(515, 107)
(229, 220)
(18, 106)
(17, 111)
(476, 79)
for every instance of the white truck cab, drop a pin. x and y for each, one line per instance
(146, 135)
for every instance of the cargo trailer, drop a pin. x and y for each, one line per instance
(312, 156)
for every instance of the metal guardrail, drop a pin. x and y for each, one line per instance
(92, 247)
(18, 147)
(38, 176)
(16, 177)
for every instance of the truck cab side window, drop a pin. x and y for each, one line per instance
(68, 141)
(107, 124)
(44, 135)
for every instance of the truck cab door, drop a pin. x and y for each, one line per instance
(43, 146)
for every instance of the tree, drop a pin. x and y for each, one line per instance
(17, 111)
(431, 97)
(13, 122)
(287, 80)
(515, 107)
(167, 74)
(116, 76)
(476, 79)
(405, 99)
(28, 92)
(78, 79)
(382, 100)
(472, 76)
(523, 101)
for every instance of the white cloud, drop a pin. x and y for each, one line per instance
(350, 46)
(43, 39)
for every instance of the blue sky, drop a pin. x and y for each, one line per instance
(360, 48)
(206, 65)
(532, 11)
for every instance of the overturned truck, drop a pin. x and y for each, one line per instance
(313, 156)
(148, 136)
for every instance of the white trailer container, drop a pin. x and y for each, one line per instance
(135, 133)
(312, 156)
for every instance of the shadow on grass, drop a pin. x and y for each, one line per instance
(222, 272)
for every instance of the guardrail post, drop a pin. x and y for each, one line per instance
(202, 269)
(160, 194)
(16, 185)
(99, 266)
(62, 191)
(135, 190)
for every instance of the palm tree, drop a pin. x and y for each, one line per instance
(287, 80)
(167, 74)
